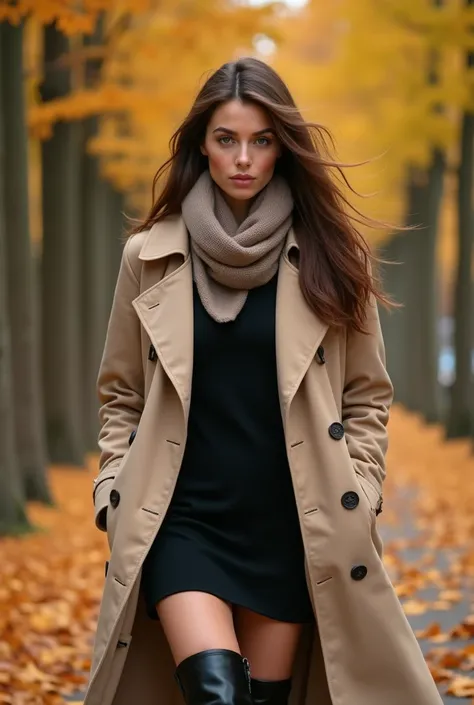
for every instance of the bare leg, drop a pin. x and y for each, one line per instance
(209, 667)
(196, 621)
(269, 645)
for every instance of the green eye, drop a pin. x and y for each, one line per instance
(226, 137)
(263, 141)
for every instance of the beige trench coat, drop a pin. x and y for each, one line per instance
(363, 651)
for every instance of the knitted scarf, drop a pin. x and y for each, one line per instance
(228, 258)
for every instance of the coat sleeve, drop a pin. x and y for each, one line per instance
(120, 384)
(366, 400)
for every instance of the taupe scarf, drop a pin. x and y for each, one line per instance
(228, 258)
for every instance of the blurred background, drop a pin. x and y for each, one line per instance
(90, 93)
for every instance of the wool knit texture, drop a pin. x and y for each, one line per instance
(230, 258)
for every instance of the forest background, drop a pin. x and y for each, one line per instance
(90, 93)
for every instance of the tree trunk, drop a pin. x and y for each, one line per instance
(116, 237)
(97, 224)
(393, 321)
(12, 499)
(425, 309)
(100, 260)
(61, 271)
(421, 353)
(412, 350)
(21, 276)
(459, 422)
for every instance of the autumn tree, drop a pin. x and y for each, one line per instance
(22, 277)
(139, 101)
(12, 494)
(61, 274)
(461, 414)
(385, 77)
(102, 229)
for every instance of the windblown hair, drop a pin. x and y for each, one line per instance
(335, 263)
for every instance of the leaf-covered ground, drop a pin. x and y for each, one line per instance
(52, 580)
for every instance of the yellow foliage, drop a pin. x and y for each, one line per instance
(358, 66)
(72, 17)
(361, 67)
(152, 76)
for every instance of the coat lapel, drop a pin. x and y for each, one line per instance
(298, 330)
(166, 308)
(166, 312)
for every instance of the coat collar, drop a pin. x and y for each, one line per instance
(299, 331)
(167, 237)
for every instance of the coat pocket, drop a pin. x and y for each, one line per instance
(372, 494)
(374, 500)
(113, 511)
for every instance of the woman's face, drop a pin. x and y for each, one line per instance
(242, 149)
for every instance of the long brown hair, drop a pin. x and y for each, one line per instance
(335, 271)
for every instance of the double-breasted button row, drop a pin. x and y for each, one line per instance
(350, 500)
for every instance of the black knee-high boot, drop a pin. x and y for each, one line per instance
(215, 677)
(270, 692)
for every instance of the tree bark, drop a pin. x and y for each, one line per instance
(425, 194)
(117, 233)
(12, 499)
(100, 257)
(96, 263)
(412, 351)
(21, 276)
(460, 421)
(393, 322)
(61, 271)
(425, 310)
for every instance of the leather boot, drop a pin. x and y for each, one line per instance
(215, 677)
(270, 692)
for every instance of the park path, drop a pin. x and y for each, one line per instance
(428, 532)
(53, 578)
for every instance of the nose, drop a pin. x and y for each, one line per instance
(243, 157)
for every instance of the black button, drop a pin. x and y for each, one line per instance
(114, 498)
(379, 508)
(152, 355)
(350, 500)
(336, 430)
(358, 572)
(320, 354)
(132, 437)
(106, 568)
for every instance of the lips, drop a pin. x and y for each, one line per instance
(242, 177)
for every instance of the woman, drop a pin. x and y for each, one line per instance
(244, 409)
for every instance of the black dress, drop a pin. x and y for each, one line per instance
(232, 527)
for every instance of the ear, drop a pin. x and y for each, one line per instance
(203, 150)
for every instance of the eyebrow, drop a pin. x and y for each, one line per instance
(232, 132)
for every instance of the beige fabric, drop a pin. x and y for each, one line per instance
(361, 649)
(230, 258)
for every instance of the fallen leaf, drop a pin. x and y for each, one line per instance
(461, 687)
